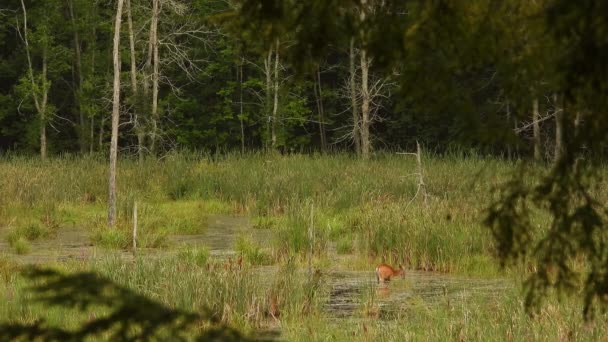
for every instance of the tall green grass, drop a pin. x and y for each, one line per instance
(363, 207)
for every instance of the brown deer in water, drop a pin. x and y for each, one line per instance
(384, 272)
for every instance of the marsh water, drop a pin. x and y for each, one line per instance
(347, 289)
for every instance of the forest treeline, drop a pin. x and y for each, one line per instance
(194, 76)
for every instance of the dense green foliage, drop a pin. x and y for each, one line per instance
(214, 93)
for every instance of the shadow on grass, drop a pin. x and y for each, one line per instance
(132, 317)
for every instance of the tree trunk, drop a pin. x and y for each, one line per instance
(43, 106)
(320, 110)
(77, 79)
(241, 105)
(134, 91)
(536, 124)
(509, 152)
(115, 117)
(268, 72)
(155, 74)
(92, 137)
(559, 133)
(353, 98)
(275, 106)
(365, 106)
(40, 104)
(101, 124)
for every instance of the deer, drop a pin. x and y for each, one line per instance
(384, 272)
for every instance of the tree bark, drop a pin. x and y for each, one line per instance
(318, 90)
(101, 124)
(43, 106)
(241, 105)
(559, 124)
(275, 106)
(353, 98)
(365, 106)
(134, 88)
(77, 79)
(268, 71)
(155, 74)
(40, 104)
(536, 132)
(115, 117)
(509, 152)
(92, 136)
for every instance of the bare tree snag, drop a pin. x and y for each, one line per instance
(421, 185)
(115, 117)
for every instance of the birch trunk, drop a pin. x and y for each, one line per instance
(115, 117)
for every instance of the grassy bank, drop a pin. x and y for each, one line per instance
(362, 212)
(363, 208)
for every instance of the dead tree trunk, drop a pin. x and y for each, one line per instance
(115, 117)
